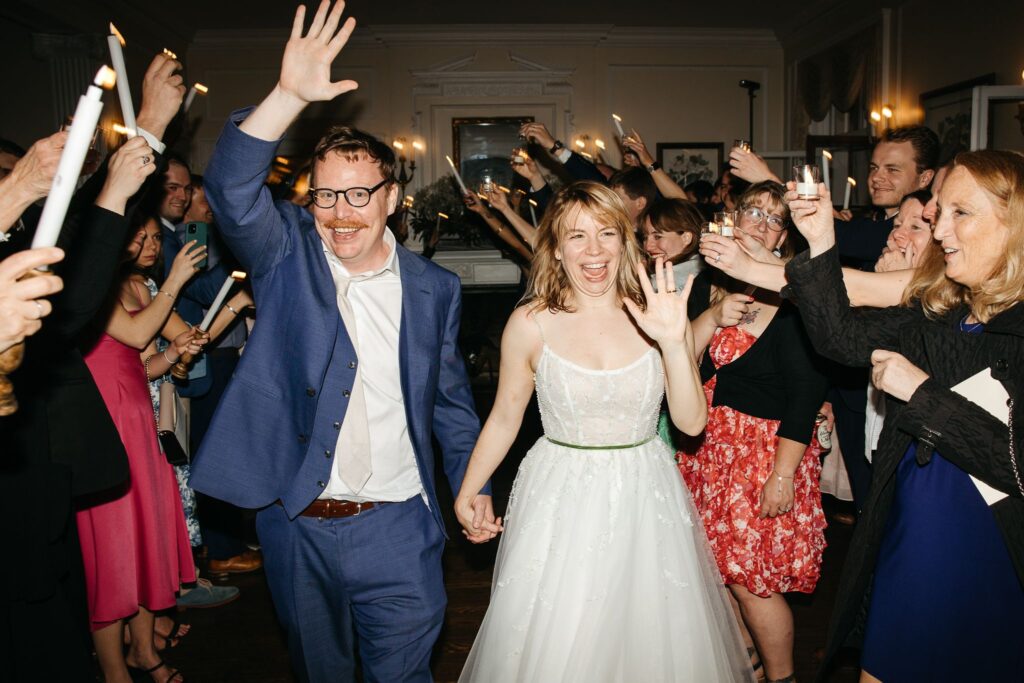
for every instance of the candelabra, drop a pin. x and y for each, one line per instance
(405, 174)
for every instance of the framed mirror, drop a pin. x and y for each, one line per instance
(483, 147)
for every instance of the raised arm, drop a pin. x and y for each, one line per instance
(665, 321)
(666, 186)
(525, 230)
(30, 179)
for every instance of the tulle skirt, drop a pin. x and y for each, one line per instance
(604, 574)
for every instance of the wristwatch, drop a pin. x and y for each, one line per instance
(556, 147)
(653, 166)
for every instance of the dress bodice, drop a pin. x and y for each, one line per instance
(588, 407)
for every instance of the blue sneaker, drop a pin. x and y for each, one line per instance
(205, 595)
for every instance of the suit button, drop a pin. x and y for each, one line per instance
(351, 365)
(302, 438)
(346, 393)
(321, 484)
(310, 391)
(1002, 365)
(337, 425)
(327, 454)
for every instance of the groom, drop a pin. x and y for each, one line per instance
(352, 367)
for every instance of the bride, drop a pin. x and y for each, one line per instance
(603, 572)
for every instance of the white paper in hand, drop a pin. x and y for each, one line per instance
(987, 393)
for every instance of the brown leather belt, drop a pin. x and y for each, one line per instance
(332, 509)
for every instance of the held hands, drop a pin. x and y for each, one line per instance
(776, 495)
(21, 304)
(664, 320)
(33, 174)
(162, 91)
(306, 67)
(128, 168)
(895, 375)
(476, 515)
(184, 266)
(813, 217)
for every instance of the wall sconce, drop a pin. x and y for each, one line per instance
(405, 175)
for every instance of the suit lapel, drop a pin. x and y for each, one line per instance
(417, 308)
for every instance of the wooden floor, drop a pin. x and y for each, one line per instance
(243, 642)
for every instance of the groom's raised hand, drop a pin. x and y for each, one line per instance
(305, 71)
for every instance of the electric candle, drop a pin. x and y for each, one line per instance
(71, 159)
(115, 42)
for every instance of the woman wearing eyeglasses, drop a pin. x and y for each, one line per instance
(754, 472)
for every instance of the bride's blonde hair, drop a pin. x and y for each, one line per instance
(549, 285)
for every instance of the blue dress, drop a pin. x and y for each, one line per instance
(946, 604)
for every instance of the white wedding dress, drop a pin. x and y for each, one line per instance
(603, 572)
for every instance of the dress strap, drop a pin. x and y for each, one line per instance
(540, 329)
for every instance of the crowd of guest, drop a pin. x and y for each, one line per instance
(900, 326)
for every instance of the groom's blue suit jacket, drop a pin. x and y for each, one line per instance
(274, 433)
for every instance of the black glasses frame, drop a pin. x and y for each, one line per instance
(312, 192)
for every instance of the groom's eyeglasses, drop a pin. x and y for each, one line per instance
(357, 197)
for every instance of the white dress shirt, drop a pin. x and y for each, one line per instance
(376, 300)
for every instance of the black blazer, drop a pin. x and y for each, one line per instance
(779, 378)
(935, 416)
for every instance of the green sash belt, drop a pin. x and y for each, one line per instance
(601, 448)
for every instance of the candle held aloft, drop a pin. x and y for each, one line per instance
(87, 114)
(124, 94)
(533, 212)
(218, 303)
(850, 184)
(826, 157)
(458, 178)
(196, 88)
(617, 120)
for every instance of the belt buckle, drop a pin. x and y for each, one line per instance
(359, 508)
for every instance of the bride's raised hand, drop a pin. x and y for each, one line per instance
(664, 319)
(306, 67)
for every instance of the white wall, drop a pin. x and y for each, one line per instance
(673, 85)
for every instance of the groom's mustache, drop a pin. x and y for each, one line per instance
(335, 223)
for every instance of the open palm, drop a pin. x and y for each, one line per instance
(664, 319)
(306, 68)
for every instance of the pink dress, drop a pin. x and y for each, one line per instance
(135, 545)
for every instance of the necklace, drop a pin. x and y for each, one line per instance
(970, 327)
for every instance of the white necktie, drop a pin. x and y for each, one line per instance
(354, 455)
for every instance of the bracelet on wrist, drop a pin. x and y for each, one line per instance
(167, 294)
(166, 358)
(231, 308)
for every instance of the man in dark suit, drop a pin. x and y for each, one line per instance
(352, 367)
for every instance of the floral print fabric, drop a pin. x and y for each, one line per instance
(725, 472)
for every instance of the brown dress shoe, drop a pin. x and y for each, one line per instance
(249, 561)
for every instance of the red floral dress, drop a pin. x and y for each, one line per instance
(725, 476)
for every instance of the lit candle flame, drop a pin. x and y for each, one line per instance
(114, 32)
(503, 189)
(827, 154)
(442, 215)
(105, 77)
(599, 143)
(532, 203)
(852, 182)
(398, 144)
(201, 88)
(875, 116)
(617, 118)
(579, 143)
(417, 145)
(120, 130)
(887, 111)
(238, 275)
(282, 160)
